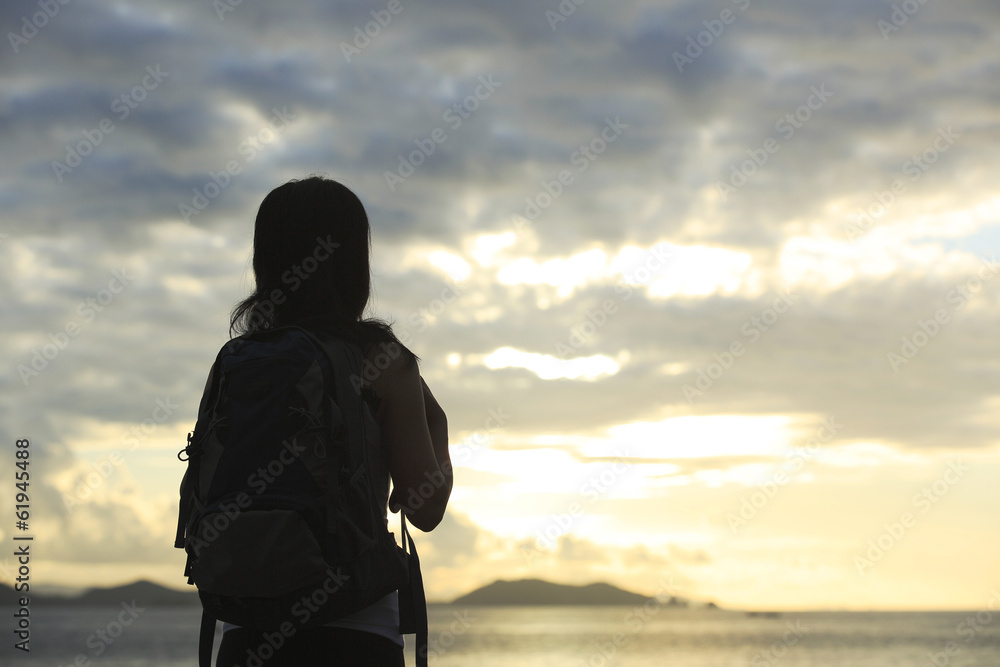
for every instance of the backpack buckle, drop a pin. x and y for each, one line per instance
(187, 449)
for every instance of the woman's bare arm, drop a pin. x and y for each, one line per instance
(415, 437)
(437, 424)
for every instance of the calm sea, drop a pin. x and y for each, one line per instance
(569, 637)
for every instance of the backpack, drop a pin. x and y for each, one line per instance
(280, 516)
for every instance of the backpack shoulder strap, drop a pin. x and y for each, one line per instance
(412, 601)
(347, 395)
(206, 639)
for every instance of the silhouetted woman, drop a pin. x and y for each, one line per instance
(320, 218)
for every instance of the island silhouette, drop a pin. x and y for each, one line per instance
(526, 592)
(540, 592)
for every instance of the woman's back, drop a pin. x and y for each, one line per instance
(311, 264)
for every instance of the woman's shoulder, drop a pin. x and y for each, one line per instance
(387, 361)
(373, 336)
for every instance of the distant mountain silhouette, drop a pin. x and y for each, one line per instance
(144, 592)
(522, 592)
(538, 592)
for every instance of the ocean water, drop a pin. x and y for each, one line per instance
(567, 637)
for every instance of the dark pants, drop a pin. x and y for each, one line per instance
(313, 647)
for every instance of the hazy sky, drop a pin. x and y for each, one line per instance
(705, 288)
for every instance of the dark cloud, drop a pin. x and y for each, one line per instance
(559, 85)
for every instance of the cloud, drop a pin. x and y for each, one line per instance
(452, 544)
(804, 169)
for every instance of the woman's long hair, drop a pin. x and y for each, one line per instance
(311, 249)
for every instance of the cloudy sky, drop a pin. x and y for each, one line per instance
(705, 288)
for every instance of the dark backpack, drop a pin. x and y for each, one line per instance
(280, 516)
